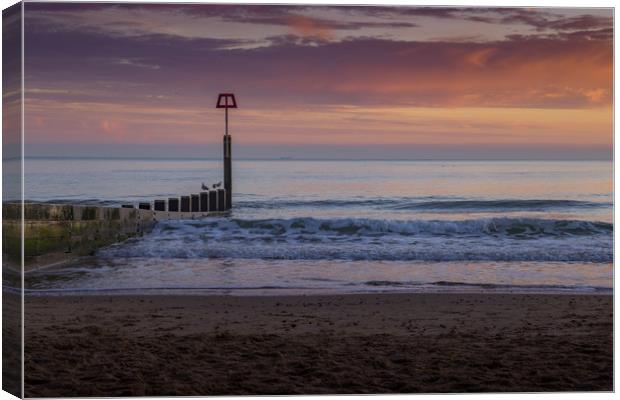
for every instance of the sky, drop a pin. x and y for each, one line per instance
(318, 82)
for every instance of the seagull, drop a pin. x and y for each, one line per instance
(204, 187)
(217, 185)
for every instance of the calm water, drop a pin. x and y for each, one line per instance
(347, 226)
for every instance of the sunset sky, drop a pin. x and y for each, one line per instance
(318, 82)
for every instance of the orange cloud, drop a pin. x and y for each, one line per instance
(112, 128)
(548, 75)
(480, 57)
(309, 27)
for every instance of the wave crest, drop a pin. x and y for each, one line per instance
(492, 239)
(379, 227)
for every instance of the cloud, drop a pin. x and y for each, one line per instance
(112, 128)
(133, 62)
(539, 18)
(101, 73)
(180, 19)
(546, 21)
(550, 71)
(320, 23)
(307, 26)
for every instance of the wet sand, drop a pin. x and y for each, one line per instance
(370, 343)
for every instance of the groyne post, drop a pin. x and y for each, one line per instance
(195, 203)
(159, 205)
(184, 203)
(212, 200)
(204, 201)
(221, 200)
(173, 204)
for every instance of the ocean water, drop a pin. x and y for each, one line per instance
(345, 226)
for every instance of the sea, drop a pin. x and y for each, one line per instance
(342, 226)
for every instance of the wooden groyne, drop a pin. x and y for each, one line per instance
(58, 233)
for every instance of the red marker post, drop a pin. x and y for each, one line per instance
(226, 101)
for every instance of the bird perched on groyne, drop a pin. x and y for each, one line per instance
(217, 185)
(204, 187)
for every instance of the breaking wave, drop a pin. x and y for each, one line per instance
(376, 227)
(487, 239)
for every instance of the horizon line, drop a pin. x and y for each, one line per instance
(286, 158)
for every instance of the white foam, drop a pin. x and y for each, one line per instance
(491, 239)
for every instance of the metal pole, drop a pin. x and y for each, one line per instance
(226, 101)
(227, 167)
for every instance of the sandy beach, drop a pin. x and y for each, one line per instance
(11, 337)
(367, 343)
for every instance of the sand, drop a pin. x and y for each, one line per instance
(369, 343)
(11, 342)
